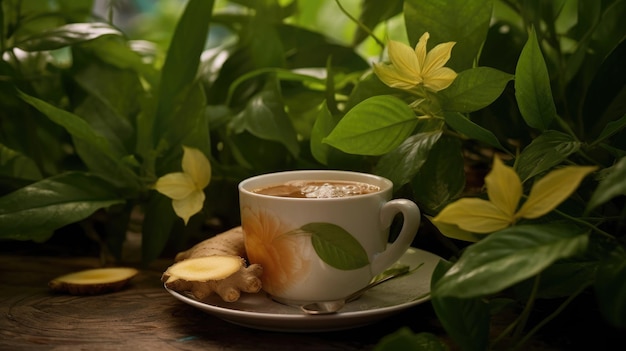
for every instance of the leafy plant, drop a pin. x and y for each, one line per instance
(91, 120)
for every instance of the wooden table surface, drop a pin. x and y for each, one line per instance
(144, 316)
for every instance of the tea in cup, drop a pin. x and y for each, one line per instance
(321, 235)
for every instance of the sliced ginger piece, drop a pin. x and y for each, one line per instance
(93, 281)
(202, 269)
(225, 275)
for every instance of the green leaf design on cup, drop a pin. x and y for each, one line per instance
(335, 246)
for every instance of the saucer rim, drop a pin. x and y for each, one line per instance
(300, 322)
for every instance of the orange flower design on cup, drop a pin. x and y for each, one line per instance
(276, 247)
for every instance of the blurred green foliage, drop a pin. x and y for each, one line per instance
(93, 112)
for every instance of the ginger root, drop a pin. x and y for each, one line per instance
(229, 243)
(216, 265)
(227, 276)
(93, 281)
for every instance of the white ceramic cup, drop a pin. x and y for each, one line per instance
(321, 249)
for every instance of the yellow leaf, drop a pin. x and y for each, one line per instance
(454, 232)
(504, 187)
(197, 166)
(404, 60)
(175, 185)
(438, 56)
(409, 69)
(474, 215)
(421, 51)
(186, 189)
(393, 78)
(439, 79)
(435, 76)
(548, 192)
(189, 206)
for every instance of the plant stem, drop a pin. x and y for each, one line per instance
(110, 12)
(566, 127)
(586, 224)
(361, 25)
(517, 326)
(519, 329)
(550, 317)
(505, 332)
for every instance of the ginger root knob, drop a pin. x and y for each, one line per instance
(229, 243)
(227, 276)
(215, 265)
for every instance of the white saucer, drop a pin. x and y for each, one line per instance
(260, 312)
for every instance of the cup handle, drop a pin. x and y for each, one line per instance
(412, 219)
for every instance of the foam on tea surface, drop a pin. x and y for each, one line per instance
(318, 189)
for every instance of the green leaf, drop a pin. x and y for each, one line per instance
(324, 153)
(126, 55)
(614, 184)
(73, 124)
(116, 129)
(310, 48)
(335, 246)
(474, 89)
(157, 226)
(561, 279)
(544, 152)
(190, 119)
(466, 320)
(119, 90)
(256, 154)
(33, 212)
(69, 34)
(112, 100)
(195, 128)
(509, 256)
(120, 173)
(373, 127)
(462, 21)
(401, 164)
(442, 177)
(472, 130)
(106, 122)
(279, 73)
(260, 50)
(603, 100)
(74, 9)
(404, 339)
(181, 64)
(15, 165)
(588, 15)
(612, 128)
(610, 288)
(96, 151)
(614, 151)
(265, 117)
(324, 124)
(263, 43)
(532, 86)
(369, 85)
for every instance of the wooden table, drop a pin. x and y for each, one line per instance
(144, 316)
